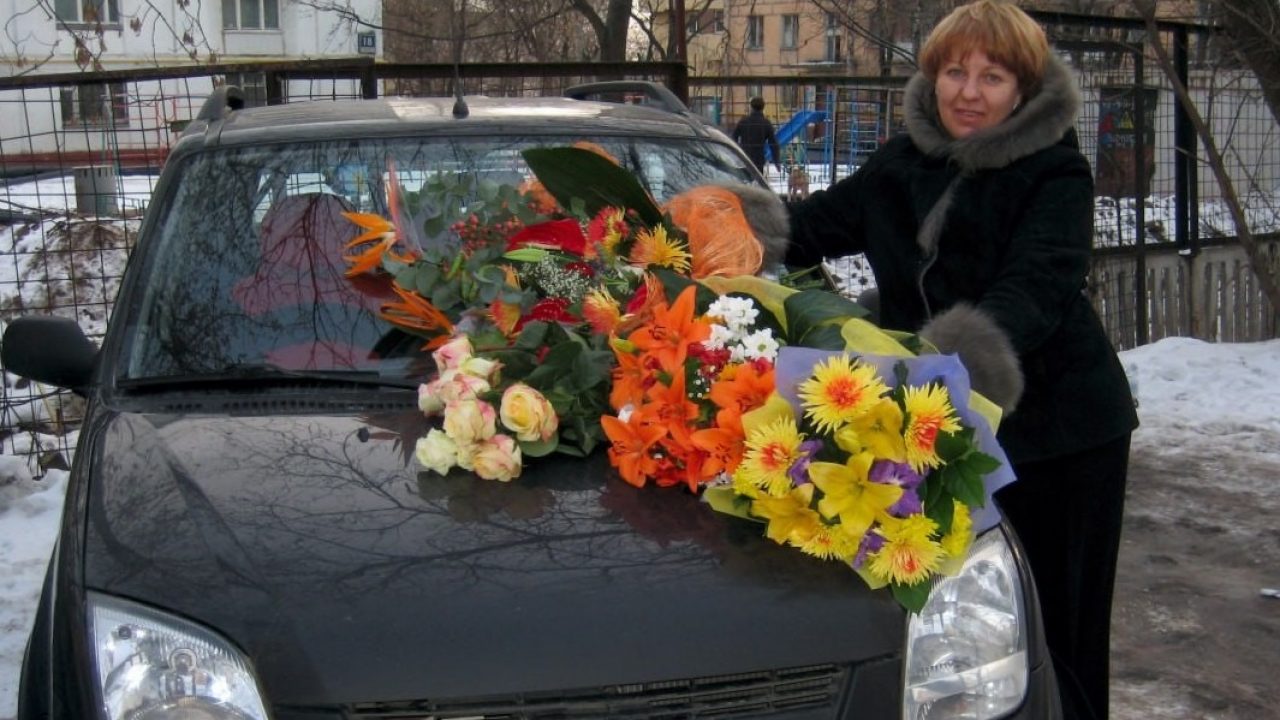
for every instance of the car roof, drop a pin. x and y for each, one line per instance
(397, 116)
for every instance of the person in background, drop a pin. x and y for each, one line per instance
(978, 226)
(753, 132)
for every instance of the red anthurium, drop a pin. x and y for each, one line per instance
(563, 235)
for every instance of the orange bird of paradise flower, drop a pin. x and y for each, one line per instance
(379, 234)
(415, 312)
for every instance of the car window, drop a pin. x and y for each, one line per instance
(248, 264)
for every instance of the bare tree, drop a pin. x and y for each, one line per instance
(1253, 27)
(1258, 263)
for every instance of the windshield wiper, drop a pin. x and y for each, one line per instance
(240, 374)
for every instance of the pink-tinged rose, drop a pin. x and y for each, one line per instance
(455, 385)
(528, 414)
(469, 421)
(429, 400)
(450, 355)
(436, 452)
(497, 458)
(467, 456)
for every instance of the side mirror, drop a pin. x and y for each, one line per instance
(49, 349)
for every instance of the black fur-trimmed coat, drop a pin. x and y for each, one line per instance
(982, 245)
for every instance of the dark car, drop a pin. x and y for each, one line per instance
(246, 535)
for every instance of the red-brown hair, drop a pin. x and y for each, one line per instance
(1003, 32)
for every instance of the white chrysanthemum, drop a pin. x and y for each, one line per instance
(760, 345)
(737, 313)
(720, 337)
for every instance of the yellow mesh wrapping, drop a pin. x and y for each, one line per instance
(720, 239)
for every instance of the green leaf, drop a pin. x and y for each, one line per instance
(446, 295)
(673, 283)
(538, 448)
(911, 597)
(808, 309)
(941, 511)
(532, 335)
(825, 337)
(569, 172)
(526, 254)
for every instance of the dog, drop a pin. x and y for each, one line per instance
(797, 183)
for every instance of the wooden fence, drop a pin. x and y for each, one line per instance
(1212, 295)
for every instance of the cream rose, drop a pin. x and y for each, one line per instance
(497, 458)
(481, 368)
(469, 421)
(436, 452)
(528, 414)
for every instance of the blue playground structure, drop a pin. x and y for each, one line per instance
(792, 128)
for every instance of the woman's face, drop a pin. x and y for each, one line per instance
(974, 93)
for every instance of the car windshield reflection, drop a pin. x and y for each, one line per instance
(248, 267)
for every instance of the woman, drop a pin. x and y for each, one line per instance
(978, 226)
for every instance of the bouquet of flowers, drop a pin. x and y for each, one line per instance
(573, 311)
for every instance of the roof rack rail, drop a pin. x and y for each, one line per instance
(653, 94)
(222, 101)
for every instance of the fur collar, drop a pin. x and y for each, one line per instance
(1039, 123)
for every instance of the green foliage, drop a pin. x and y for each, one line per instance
(808, 310)
(582, 180)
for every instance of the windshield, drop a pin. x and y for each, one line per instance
(248, 267)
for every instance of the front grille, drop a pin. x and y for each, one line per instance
(754, 694)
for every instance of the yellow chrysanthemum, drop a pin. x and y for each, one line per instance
(653, 246)
(910, 554)
(830, 543)
(849, 495)
(770, 452)
(614, 231)
(839, 391)
(958, 539)
(929, 412)
(601, 311)
(790, 519)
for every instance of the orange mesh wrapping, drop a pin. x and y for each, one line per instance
(720, 239)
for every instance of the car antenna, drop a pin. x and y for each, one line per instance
(460, 110)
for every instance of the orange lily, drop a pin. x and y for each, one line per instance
(723, 452)
(630, 450)
(415, 312)
(740, 389)
(672, 409)
(671, 331)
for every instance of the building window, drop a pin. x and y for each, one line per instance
(790, 96)
(833, 38)
(706, 21)
(755, 31)
(102, 105)
(251, 14)
(253, 85)
(790, 31)
(88, 11)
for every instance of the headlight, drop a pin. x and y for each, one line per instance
(153, 665)
(967, 649)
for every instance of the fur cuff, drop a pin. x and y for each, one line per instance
(984, 349)
(767, 216)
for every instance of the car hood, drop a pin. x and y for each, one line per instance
(348, 574)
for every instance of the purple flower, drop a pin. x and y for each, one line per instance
(872, 541)
(799, 471)
(887, 472)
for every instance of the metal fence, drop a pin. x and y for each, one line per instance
(79, 154)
